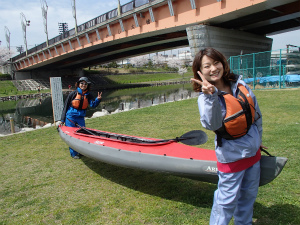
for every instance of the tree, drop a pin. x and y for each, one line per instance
(158, 60)
(182, 71)
(175, 63)
(5, 55)
(150, 65)
(139, 61)
(113, 64)
(109, 65)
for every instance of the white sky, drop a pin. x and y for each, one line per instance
(61, 11)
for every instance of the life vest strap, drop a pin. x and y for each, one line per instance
(248, 111)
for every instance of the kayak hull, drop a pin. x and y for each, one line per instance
(170, 157)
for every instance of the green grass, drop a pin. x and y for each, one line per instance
(7, 88)
(141, 78)
(42, 184)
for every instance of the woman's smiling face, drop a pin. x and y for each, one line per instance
(212, 70)
(83, 85)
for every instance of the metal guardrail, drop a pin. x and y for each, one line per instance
(271, 69)
(87, 25)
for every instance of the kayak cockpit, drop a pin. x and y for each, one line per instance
(119, 137)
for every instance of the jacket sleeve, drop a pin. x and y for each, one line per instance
(210, 111)
(70, 97)
(93, 103)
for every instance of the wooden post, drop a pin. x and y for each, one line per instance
(12, 125)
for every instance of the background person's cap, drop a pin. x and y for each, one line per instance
(84, 79)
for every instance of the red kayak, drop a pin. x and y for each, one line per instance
(157, 155)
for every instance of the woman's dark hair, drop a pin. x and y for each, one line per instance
(88, 86)
(215, 55)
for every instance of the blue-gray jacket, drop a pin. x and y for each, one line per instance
(212, 110)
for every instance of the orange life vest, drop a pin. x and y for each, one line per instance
(240, 113)
(80, 101)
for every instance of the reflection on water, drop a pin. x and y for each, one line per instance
(26, 113)
(33, 113)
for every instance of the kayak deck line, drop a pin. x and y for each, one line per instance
(121, 137)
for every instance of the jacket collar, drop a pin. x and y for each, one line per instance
(234, 85)
(82, 92)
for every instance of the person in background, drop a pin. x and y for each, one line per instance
(238, 158)
(76, 105)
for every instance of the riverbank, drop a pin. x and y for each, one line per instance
(124, 86)
(131, 99)
(41, 183)
(9, 91)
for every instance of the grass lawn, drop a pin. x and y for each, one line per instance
(7, 88)
(42, 184)
(140, 78)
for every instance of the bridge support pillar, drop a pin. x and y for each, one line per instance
(229, 42)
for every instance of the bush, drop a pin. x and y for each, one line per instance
(5, 76)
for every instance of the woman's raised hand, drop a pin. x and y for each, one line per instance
(207, 88)
(99, 95)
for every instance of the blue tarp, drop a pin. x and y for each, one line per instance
(286, 78)
(292, 78)
(250, 80)
(270, 79)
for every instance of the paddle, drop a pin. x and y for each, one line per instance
(194, 137)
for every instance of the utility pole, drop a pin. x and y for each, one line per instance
(62, 28)
(119, 8)
(7, 35)
(44, 8)
(74, 15)
(24, 24)
(20, 49)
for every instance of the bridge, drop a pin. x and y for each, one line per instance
(147, 26)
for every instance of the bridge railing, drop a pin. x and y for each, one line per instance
(272, 69)
(91, 23)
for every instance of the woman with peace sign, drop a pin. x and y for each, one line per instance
(238, 153)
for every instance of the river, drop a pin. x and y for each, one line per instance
(35, 113)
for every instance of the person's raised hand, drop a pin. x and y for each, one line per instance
(99, 95)
(207, 88)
